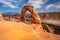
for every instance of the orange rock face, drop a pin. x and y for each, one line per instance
(1, 17)
(21, 31)
(35, 17)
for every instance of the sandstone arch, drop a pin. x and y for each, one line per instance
(35, 17)
(21, 31)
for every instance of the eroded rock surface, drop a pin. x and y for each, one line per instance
(35, 17)
(1, 17)
(22, 31)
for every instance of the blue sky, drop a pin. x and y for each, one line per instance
(39, 5)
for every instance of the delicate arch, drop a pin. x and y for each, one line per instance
(35, 16)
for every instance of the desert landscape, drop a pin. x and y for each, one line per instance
(44, 26)
(50, 20)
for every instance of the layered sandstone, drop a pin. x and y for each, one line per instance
(10, 30)
(35, 17)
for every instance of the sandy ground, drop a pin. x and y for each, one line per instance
(22, 31)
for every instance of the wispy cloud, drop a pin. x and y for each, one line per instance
(8, 3)
(56, 6)
(48, 6)
(37, 3)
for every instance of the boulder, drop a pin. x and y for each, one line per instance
(1, 17)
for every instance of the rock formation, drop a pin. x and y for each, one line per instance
(1, 17)
(22, 31)
(35, 17)
(50, 15)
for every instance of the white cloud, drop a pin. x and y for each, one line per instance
(8, 3)
(1, 12)
(36, 3)
(56, 6)
(48, 6)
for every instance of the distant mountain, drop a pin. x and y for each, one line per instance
(44, 15)
(50, 15)
(47, 15)
(10, 14)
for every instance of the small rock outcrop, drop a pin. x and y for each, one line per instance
(1, 17)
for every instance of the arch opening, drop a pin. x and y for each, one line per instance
(28, 17)
(35, 16)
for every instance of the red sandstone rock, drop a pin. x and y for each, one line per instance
(21, 31)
